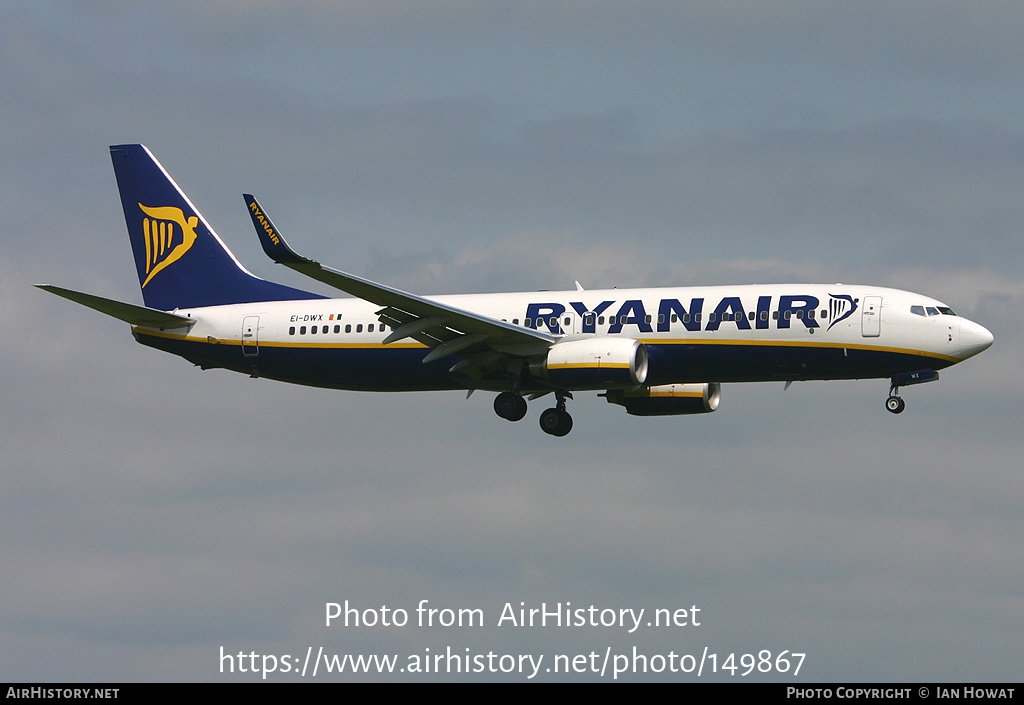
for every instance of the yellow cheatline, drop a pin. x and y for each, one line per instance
(580, 365)
(272, 344)
(799, 344)
(669, 394)
(622, 365)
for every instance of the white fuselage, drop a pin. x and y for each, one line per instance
(735, 333)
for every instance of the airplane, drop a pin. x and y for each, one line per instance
(653, 351)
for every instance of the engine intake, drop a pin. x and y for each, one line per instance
(668, 399)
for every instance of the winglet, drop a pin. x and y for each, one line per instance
(413, 307)
(270, 237)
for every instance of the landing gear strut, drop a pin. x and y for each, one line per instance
(557, 421)
(895, 402)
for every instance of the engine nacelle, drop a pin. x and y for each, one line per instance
(668, 399)
(594, 363)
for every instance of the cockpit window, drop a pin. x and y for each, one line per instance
(931, 310)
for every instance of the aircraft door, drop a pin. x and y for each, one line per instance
(250, 336)
(871, 317)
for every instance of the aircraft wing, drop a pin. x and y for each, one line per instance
(446, 329)
(129, 313)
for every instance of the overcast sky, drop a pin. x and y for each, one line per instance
(152, 513)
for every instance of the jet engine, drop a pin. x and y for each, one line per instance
(668, 399)
(594, 363)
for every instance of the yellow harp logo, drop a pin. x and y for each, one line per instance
(165, 243)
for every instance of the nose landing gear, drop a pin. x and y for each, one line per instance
(894, 403)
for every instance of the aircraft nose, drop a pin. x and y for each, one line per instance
(973, 338)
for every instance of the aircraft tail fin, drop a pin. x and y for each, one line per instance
(181, 261)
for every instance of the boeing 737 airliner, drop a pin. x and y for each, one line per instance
(652, 351)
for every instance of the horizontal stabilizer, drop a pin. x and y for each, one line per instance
(129, 313)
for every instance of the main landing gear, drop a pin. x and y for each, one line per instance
(556, 421)
(509, 405)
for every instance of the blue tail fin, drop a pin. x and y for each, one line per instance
(181, 261)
